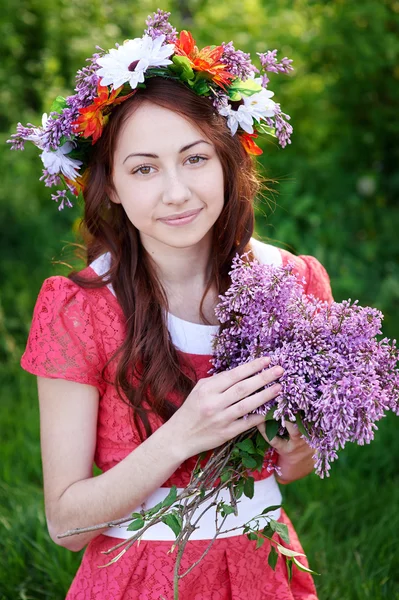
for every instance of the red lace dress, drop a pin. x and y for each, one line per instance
(74, 332)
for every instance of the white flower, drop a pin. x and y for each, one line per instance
(129, 62)
(37, 132)
(259, 104)
(56, 161)
(241, 117)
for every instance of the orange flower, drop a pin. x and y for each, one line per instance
(93, 118)
(77, 185)
(206, 60)
(247, 140)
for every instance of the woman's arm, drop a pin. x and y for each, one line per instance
(73, 497)
(210, 415)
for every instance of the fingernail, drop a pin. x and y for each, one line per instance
(266, 360)
(278, 371)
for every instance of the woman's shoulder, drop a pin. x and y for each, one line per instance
(307, 268)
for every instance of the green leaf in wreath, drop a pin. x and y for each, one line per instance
(183, 66)
(136, 524)
(238, 88)
(249, 487)
(272, 558)
(58, 105)
(173, 522)
(272, 428)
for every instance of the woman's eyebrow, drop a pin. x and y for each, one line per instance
(184, 149)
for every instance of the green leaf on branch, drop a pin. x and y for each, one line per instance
(173, 522)
(301, 427)
(261, 444)
(302, 567)
(246, 445)
(281, 529)
(270, 509)
(272, 428)
(136, 524)
(226, 509)
(249, 487)
(272, 558)
(225, 476)
(150, 512)
(136, 516)
(270, 413)
(248, 461)
(287, 551)
(259, 542)
(289, 569)
(170, 498)
(252, 536)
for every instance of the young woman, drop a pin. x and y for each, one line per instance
(122, 349)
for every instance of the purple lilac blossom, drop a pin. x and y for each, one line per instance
(49, 179)
(338, 376)
(158, 24)
(237, 62)
(22, 135)
(283, 129)
(87, 80)
(65, 201)
(268, 60)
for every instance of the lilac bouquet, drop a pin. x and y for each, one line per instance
(339, 379)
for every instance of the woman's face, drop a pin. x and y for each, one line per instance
(164, 167)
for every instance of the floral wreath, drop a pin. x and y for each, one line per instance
(223, 74)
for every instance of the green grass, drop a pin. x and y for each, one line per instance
(348, 523)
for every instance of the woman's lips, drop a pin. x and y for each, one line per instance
(181, 221)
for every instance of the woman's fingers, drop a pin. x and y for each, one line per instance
(250, 403)
(246, 388)
(225, 380)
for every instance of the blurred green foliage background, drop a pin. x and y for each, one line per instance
(335, 197)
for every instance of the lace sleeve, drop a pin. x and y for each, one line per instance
(62, 341)
(317, 279)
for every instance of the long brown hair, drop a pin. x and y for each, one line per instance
(147, 353)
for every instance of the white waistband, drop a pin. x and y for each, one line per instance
(266, 493)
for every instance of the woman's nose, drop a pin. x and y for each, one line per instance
(176, 189)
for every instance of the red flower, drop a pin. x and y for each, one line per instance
(247, 140)
(93, 118)
(206, 60)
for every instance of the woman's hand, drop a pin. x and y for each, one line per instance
(213, 412)
(294, 455)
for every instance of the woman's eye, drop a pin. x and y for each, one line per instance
(194, 160)
(144, 170)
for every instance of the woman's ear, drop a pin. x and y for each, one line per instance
(112, 195)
